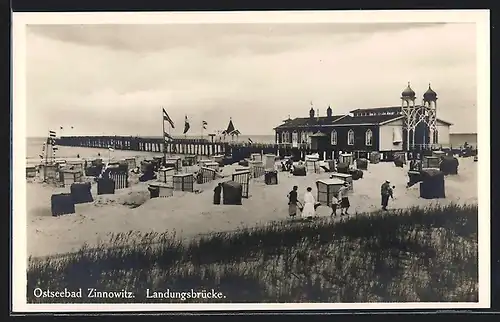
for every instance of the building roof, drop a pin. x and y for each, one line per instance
(308, 121)
(383, 115)
(408, 92)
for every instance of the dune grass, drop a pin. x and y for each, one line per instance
(417, 254)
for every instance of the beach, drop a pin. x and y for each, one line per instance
(190, 214)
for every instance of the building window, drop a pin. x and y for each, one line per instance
(368, 137)
(436, 136)
(334, 137)
(304, 137)
(295, 137)
(277, 137)
(284, 137)
(350, 137)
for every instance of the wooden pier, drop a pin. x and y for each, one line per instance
(200, 147)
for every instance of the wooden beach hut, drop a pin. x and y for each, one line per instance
(68, 177)
(30, 171)
(327, 188)
(165, 175)
(344, 177)
(160, 190)
(183, 182)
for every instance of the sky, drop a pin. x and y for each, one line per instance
(114, 79)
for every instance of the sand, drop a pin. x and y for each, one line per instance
(189, 214)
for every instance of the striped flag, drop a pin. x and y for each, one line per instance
(111, 149)
(186, 125)
(167, 118)
(55, 148)
(250, 140)
(167, 137)
(52, 134)
(205, 125)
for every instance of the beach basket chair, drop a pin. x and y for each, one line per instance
(362, 164)
(62, 204)
(105, 186)
(232, 193)
(81, 193)
(432, 185)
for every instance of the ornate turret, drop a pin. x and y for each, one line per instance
(329, 112)
(408, 93)
(311, 113)
(430, 95)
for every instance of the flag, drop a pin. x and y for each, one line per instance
(71, 127)
(41, 156)
(52, 134)
(61, 127)
(250, 140)
(205, 125)
(55, 148)
(111, 149)
(186, 125)
(167, 136)
(167, 118)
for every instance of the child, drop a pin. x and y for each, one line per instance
(334, 205)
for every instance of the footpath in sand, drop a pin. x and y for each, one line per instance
(189, 214)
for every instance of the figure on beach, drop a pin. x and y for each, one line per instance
(344, 199)
(335, 202)
(217, 194)
(386, 192)
(309, 210)
(292, 202)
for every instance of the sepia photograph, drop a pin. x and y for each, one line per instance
(223, 161)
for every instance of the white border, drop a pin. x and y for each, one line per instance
(19, 22)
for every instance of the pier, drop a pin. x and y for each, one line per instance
(199, 147)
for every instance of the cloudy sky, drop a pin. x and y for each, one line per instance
(114, 79)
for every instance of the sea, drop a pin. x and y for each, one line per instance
(34, 147)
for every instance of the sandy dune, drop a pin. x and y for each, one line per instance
(193, 213)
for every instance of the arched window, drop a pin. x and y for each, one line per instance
(436, 136)
(350, 137)
(304, 137)
(284, 137)
(368, 137)
(334, 137)
(295, 137)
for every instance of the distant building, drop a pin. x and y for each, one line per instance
(385, 129)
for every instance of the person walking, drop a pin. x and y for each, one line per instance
(309, 210)
(344, 199)
(335, 202)
(217, 194)
(292, 202)
(386, 192)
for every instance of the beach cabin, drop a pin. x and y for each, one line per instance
(183, 182)
(345, 178)
(74, 165)
(30, 171)
(269, 161)
(189, 160)
(212, 165)
(47, 171)
(429, 162)
(312, 166)
(374, 157)
(256, 157)
(160, 190)
(327, 188)
(131, 163)
(175, 161)
(165, 175)
(346, 158)
(438, 154)
(207, 174)
(256, 168)
(68, 177)
(219, 159)
(202, 162)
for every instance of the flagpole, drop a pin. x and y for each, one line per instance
(202, 127)
(163, 136)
